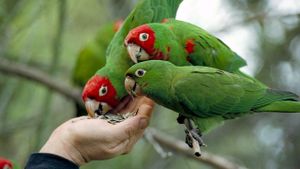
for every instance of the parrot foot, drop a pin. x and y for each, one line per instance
(188, 139)
(193, 137)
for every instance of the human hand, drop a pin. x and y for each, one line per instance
(83, 139)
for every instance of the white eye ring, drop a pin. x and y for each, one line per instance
(103, 90)
(140, 72)
(144, 36)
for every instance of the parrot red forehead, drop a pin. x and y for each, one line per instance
(100, 89)
(134, 37)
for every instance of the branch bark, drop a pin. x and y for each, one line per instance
(36, 75)
(181, 148)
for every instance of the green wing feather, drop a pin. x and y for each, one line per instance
(212, 92)
(208, 49)
(209, 96)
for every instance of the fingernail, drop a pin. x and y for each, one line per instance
(143, 123)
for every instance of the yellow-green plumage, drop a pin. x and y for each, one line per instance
(209, 95)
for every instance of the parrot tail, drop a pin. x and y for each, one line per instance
(281, 106)
(278, 101)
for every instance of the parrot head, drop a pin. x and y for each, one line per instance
(5, 164)
(141, 46)
(140, 43)
(99, 95)
(142, 78)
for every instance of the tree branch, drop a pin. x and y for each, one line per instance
(36, 75)
(181, 148)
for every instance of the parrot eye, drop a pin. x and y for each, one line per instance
(144, 36)
(140, 72)
(103, 90)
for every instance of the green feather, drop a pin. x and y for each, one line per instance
(209, 95)
(207, 49)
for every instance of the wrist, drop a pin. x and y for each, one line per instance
(61, 145)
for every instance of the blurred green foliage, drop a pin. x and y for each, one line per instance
(29, 112)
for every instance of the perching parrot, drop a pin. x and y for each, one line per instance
(206, 95)
(105, 90)
(92, 57)
(181, 43)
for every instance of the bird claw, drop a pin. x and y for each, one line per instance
(193, 138)
(188, 139)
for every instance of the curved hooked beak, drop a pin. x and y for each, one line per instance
(132, 87)
(136, 53)
(95, 108)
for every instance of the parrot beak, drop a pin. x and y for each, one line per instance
(137, 53)
(95, 108)
(132, 87)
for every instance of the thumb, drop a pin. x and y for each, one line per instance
(130, 130)
(136, 124)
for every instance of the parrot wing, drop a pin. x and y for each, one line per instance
(207, 92)
(204, 48)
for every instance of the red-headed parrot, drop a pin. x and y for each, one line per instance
(92, 57)
(105, 89)
(206, 95)
(181, 43)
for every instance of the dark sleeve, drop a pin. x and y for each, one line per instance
(49, 161)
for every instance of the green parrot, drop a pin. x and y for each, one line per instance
(181, 43)
(105, 90)
(205, 95)
(92, 57)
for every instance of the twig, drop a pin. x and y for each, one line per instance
(36, 75)
(181, 148)
(148, 136)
